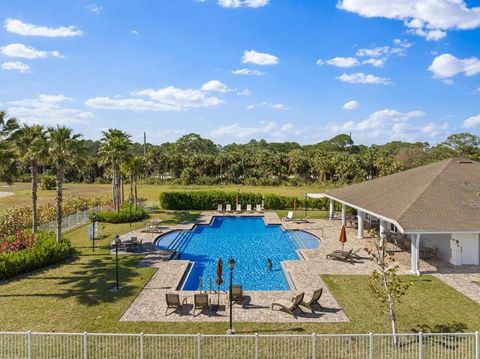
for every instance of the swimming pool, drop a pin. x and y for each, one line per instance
(246, 239)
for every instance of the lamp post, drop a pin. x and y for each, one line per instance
(231, 265)
(94, 219)
(130, 202)
(117, 242)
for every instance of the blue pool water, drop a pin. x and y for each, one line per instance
(248, 240)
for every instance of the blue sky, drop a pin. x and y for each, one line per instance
(232, 70)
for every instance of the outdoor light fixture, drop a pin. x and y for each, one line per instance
(231, 265)
(117, 243)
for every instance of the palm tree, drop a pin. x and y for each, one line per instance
(134, 166)
(63, 147)
(7, 153)
(114, 149)
(32, 146)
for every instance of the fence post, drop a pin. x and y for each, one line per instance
(256, 346)
(141, 345)
(420, 344)
(477, 345)
(370, 345)
(198, 346)
(29, 344)
(313, 345)
(85, 346)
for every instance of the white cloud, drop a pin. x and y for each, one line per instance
(351, 105)
(16, 65)
(388, 124)
(94, 8)
(26, 52)
(362, 78)
(215, 86)
(134, 32)
(242, 3)
(166, 99)
(472, 122)
(476, 91)
(340, 62)
(275, 106)
(446, 66)
(248, 72)
(245, 92)
(47, 108)
(259, 58)
(266, 130)
(374, 62)
(428, 18)
(21, 28)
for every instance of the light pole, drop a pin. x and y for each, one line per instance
(130, 202)
(117, 242)
(231, 265)
(94, 219)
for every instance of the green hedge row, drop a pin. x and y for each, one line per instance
(125, 215)
(209, 199)
(45, 251)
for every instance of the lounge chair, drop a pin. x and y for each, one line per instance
(258, 208)
(289, 216)
(249, 207)
(308, 301)
(343, 256)
(201, 302)
(354, 255)
(290, 306)
(228, 208)
(237, 294)
(238, 208)
(220, 208)
(173, 302)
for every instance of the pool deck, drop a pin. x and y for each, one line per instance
(305, 274)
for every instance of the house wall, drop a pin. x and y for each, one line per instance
(440, 241)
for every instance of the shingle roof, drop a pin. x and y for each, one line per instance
(439, 197)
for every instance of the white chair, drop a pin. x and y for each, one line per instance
(249, 207)
(228, 207)
(239, 208)
(220, 208)
(258, 208)
(289, 216)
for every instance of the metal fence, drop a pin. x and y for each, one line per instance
(28, 345)
(71, 221)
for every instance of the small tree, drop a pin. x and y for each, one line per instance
(385, 282)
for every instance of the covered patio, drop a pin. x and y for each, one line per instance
(431, 211)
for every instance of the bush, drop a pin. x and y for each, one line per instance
(123, 216)
(48, 182)
(44, 251)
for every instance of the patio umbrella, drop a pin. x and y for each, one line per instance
(219, 279)
(343, 236)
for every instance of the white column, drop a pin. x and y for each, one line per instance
(331, 211)
(415, 253)
(344, 214)
(360, 220)
(382, 230)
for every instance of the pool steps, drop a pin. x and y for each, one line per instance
(297, 240)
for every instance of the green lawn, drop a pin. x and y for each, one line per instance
(76, 296)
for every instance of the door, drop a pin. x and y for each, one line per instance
(465, 248)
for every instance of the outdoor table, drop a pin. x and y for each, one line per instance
(129, 245)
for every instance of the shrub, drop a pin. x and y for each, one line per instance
(48, 182)
(44, 251)
(123, 216)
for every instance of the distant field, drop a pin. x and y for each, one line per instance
(22, 192)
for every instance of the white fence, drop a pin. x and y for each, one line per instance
(71, 221)
(28, 345)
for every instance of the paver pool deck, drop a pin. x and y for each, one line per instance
(305, 274)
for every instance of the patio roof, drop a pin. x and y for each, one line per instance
(439, 197)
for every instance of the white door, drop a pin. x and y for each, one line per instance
(465, 249)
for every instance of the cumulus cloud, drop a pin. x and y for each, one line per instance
(374, 62)
(472, 122)
(265, 130)
(247, 72)
(215, 86)
(275, 106)
(447, 66)
(131, 104)
(259, 58)
(362, 78)
(428, 18)
(245, 92)
(94, 8)
(16, 66)
(351, 105)
(21, 28)
(26, 52)
(340, 62)
(242, 3)
(48, 108)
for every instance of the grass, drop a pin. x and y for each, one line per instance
(22, 191)
(76, 296)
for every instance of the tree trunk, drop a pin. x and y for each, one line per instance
(59, 202)
(135, 193)
(34, 172)
(114, 200)
(122, 190)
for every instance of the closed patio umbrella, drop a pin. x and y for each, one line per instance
(343, 236)
(219, 279)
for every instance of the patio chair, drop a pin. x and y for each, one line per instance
(288, 217)
(228, 208)
(249, 207)
(201, 302)
(342, 256)
(290, 306)
(220, 208)
(308, 301)
(238, 209)
(173, 302)
(258, 208)
(237, 294)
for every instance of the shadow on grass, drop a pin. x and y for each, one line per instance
(175, 216)
(275, 330)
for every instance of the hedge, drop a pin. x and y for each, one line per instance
(123, 216)
(209, 199)
(45, 251)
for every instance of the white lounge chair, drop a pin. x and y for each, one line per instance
(249, 207)
(239, 208)
(228, 208)
(258, 208)
(220, 208)
(289, 216)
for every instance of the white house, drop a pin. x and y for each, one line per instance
(436, 205)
